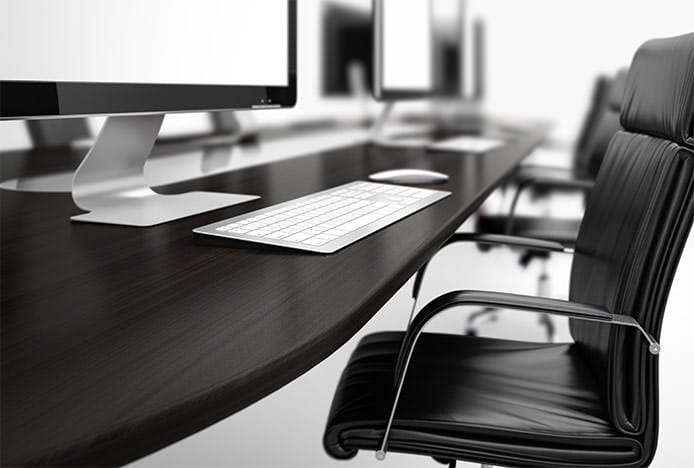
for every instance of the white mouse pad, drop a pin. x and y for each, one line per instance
(468, 144)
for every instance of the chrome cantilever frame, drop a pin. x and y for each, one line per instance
(457, 298)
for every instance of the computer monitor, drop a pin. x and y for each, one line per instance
(135, 61)
(347, 50)
(403, 49)
(421, 51)
(448, 17)
(418, 54)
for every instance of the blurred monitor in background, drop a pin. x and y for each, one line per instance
(427, 49)
(58, 132)
(403, 49)
(347, 56)
(419, 54)
(448, 55)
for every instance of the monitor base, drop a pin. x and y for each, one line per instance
(110, 182)
(150, 209)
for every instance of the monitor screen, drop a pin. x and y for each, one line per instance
(418, 48)
(406, 45)
(212, 42)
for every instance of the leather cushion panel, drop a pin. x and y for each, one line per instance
(623, 248)
(562, 230)
(659, 96)
(523, 404)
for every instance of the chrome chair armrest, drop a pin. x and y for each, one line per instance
(550, 182)
(498, 300)
(578, 184)
(510, 241)
(492, 239)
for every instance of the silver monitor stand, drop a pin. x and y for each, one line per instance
(378, 137)
(110, 182)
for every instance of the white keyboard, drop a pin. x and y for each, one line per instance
(327, 221)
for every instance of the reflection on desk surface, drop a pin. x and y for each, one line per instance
(171, 163)
(51, 170)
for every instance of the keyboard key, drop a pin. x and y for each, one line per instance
(279, 235)
(336, 232)
(360, 222)
(298, 237)
(259, 233)
(315, 241)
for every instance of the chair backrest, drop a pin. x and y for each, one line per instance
(602, 123)
(598, 101)
(635, 226)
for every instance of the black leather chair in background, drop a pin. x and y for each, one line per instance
(601, 122)
(593, 402)
(600, 125)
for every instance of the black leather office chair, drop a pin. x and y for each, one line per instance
(593, 402)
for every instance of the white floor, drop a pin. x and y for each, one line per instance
(285, 429)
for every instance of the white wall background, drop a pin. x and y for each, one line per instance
(543, 57)
(545, 54)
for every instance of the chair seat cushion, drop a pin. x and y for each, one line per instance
(519, 404)
(564, 230)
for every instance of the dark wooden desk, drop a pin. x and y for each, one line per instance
(118, 341)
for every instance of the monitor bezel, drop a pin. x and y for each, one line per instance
(50, 99)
